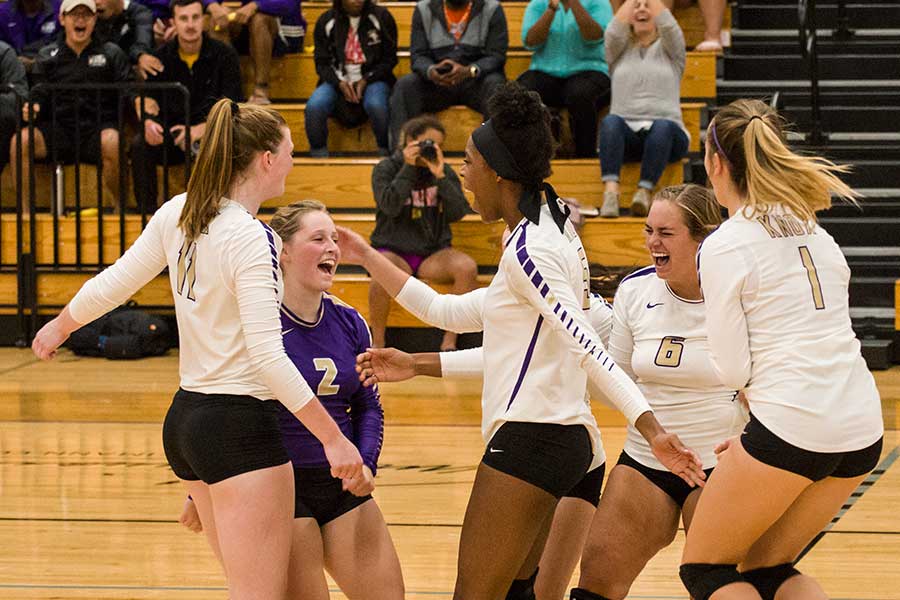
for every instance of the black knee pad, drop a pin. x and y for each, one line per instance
(767, 580)
(583, 594)
(522, 589)
(702, 580)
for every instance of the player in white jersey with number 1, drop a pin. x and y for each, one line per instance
(221, 434)
(775, 285)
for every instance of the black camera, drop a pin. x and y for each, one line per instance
(428, 150)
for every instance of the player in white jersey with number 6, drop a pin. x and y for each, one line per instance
(221, 434)
(775, 286)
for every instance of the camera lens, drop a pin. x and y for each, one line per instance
(427, 150)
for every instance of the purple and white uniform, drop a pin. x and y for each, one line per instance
(325, 353)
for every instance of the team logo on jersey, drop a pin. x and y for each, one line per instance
(47, 28)
(97, 60)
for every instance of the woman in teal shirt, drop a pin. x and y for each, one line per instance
(568, 68)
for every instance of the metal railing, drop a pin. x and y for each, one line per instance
(30, 263)
(806, 10)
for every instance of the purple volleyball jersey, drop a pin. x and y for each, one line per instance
(325, 353)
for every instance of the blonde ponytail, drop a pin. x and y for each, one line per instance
(767, 173)
(235, 134)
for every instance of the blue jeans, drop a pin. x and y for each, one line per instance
(324, 103)
(665, 142)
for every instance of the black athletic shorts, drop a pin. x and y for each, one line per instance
(674, 486)
(588, 489)
(212, 437)
(550, 456)
(319, 496)
(768, 448)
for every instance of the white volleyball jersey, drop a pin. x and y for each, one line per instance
(227, 289)
(660, 340)
(777, 312)
(539, 345)
(470, 363)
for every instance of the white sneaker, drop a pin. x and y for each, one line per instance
(610, 208)
(640, 202)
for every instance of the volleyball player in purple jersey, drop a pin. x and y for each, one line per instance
(338, 527)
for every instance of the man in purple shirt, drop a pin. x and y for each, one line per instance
(28, 26)
(264, 27)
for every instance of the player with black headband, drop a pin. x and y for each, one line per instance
(539, 350)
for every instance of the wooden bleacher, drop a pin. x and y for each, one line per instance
(293, 77)
(459, 122)
(689, 18)
(610, 242)
(897, 305)
(345, 183)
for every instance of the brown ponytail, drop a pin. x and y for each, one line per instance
(235, 134)
(748, 135)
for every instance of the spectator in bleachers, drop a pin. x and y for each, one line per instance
(356, 52)
(458, 51)
(418, 196)
(12, 72)
(645, 50)
(209, 69)
(28, 26)
(568, 68)
(131, 29)
(89, 118)
(713, 13)
(263, 28)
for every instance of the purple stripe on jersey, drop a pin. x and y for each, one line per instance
(537, 280)
(272, 248)
(639, 273)
(528, 266)
(527, 361)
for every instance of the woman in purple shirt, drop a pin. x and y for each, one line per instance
(338, 527)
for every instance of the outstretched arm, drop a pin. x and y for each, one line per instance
(459, 313)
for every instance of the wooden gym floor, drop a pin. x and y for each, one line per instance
(88, 503)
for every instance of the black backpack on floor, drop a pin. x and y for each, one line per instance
(126, 332)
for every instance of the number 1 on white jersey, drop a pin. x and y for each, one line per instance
(814, 284)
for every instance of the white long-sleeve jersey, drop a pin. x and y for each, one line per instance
(778, 320)
(227, 289)
(660, 340)
(470, 363)
(539, 345)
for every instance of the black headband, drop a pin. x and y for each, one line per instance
(502, 161)
(235, 109)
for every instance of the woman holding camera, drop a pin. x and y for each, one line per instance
(418, 196)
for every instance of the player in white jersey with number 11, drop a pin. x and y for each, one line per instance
(221, 434)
